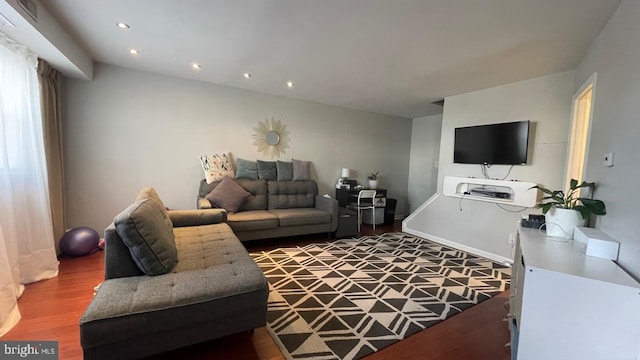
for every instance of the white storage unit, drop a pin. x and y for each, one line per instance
(516, 193)
(566, 305)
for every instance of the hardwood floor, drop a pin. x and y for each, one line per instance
(51, 310)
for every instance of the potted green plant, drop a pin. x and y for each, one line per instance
(373, 180)
(564, 211)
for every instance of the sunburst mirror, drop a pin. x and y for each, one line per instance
(271, 137)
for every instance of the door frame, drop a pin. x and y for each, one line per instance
(589, 83)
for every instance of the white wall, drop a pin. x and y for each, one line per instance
(425, 149)
(480, 226)
(615, 56)
(128, 129)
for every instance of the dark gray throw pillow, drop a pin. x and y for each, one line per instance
(228, 195)
(267, 170)
(285, 170)
(246, 169)
(143, 228)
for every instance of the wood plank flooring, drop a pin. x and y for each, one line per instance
(51, 310)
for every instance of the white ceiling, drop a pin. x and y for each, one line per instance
(386, 56)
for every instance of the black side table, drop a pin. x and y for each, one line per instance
(347, 223)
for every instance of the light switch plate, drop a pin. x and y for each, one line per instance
(608, 159)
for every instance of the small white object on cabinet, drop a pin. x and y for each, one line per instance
(516, 193)
(566, 305)
(598, 243)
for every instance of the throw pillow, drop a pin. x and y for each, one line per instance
(228, 195)
(216, 167)
(150, 193)
(285, 170)
(246, 169)
(143, 228)
(301, 169)
(267, 170)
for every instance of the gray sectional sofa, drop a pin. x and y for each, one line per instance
(277, 208)
(172, 279)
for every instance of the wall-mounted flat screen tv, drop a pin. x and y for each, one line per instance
(493, 144)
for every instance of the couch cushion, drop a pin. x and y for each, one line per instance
(150, 193)
(143, 228)
(216, 167)
(292, 194)
(228, 195)
(201, 247)
(267, 170)
(252, 220)
(301, 216)
(257, 189)
(246, 169)
(301, 169)
(285, 170)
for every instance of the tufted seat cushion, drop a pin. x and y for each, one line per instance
(252, 220)
(201, 247)
(301, 216)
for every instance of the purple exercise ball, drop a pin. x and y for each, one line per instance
(79, 241)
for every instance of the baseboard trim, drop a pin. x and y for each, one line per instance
(455, 245)
(416, 211)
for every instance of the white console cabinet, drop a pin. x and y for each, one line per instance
(565, 305)
(517, 193)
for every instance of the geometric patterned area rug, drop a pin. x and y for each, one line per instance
(349, 298)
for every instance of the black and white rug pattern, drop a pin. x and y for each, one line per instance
(349, 298)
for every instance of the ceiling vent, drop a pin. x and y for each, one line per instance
(439, 102)
(30, 7)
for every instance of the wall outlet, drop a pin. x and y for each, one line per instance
(512, 239)
(608, 159)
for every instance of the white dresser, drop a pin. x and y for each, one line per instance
(566, 305)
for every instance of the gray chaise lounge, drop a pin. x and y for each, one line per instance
(211, 288)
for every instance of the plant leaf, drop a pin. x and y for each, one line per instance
(573, 184)
(595, 206)
(584, 212)
(543, 189)
(558, 198)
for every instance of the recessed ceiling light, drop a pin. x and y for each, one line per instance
(196, 66)
(290, 84)
(122, 25)
(134, 52)
(246, 75)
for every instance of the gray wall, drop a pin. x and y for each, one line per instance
(481, 226)
(615, 57)
(128, 129)
(425, 150)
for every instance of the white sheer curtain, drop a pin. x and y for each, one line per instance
(27, 252)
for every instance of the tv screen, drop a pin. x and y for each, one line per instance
(494, 144)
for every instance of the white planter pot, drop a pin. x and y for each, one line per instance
(562, 222)
(373, 184)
